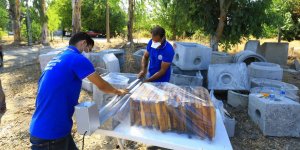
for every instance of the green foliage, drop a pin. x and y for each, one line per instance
(36, 28)
(93, 16)
(3, 17)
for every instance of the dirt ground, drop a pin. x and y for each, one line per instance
(20, 85)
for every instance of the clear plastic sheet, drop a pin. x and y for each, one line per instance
(170, 108)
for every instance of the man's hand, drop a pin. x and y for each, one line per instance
(142, 74)
(121, 92)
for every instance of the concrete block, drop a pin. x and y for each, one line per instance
(192, 56)
(275, 52)
(190, 78)
(101, 98)
(252, 45)
(87, 85)
(265, 70)
(101, 70)
(230, 125)
(138, 55)
(258, 82)
(276, 91)
(228, 77)
(111, 63)
(248, 57)
(97, 57)
(237, 99)
(87, 117)
(45, 58)
(297, 64)
(275, 118)
(221, 58)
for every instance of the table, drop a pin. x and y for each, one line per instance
(170, 140)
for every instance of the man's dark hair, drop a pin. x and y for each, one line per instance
(81, 36)
(158, 31)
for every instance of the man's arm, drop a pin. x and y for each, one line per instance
(144, 66)
(104, 86)
(163, 69)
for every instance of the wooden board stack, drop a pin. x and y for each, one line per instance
(167, 107)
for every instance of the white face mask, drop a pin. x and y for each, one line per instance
(155, 44)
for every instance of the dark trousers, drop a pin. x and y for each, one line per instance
(65, 143)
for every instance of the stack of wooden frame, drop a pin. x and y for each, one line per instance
(167, 107)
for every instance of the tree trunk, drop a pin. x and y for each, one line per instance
(279, 35)
(44, 24)
(16, 13)
(130, 21)
(28, 21)
(215, 39)
(76, 16)
(107, 22)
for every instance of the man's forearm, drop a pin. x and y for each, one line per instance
(144, 63)
(156, 76)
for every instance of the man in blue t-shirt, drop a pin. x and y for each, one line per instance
(161, 54)
(58, 92)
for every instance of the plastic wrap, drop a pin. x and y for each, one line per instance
(170, 108)
(114, 78)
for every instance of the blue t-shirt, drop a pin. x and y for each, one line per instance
(163, 54)
(58, 92)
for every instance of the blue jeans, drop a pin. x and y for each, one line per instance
(65, 143)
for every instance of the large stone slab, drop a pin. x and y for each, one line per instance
(265, 70)
(111, 63)
(190, 80)
(275, 118)
(275, 52)
(87, 85)
(257, 82)
(237, 99)
(192, 56)
(97, 57)
(221, 58)
(138, 55)
(252, 45)
(45, 58)
(228, 77)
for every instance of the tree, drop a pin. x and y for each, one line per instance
(130, 21)
(76, 16)
(227, 21)
(45, 23)
(28, 24)
(3, 16)
(15, 11)
(107, 22)
(54, 17)
(285, 16)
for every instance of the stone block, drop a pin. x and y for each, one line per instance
(228, 77)
(275, 118)
(111, 63)
(192, 56)
(87, 85)
(297, 64)
(252, 45)
(189, 78)
(45, 58)
(237, 99)
(265, 70)
(221, 58)
(275, 52)
(138, 55)
(257, 82)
